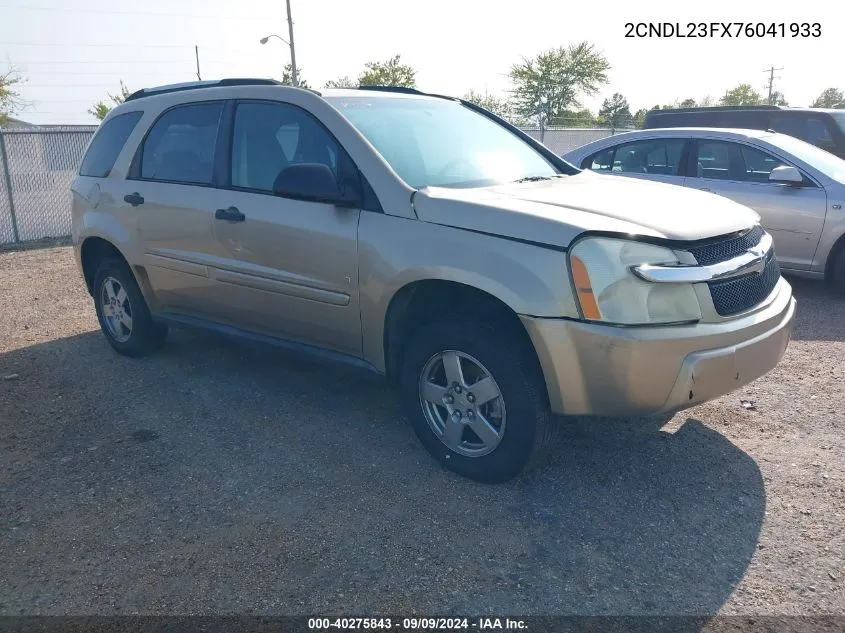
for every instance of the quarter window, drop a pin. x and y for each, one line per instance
(180, 146)
(105, 148)
(270, 137)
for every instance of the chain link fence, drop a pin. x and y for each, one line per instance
(38, 165)
(564, 139)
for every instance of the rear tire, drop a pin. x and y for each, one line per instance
(122, 311)
(446, 420)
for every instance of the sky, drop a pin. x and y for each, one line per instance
(73, 52)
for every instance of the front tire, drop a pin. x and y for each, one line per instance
(123, 313)
(475, 397)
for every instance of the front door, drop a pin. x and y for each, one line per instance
(793, 215)
(285, 267)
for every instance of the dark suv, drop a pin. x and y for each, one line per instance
(821, 127)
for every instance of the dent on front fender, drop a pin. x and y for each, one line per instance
(395, 252)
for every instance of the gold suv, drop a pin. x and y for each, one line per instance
(425, 239)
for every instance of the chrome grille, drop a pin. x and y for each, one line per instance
(714, 252)
(732, 296)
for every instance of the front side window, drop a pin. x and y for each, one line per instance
(657, 157)
(105, 148)
(441, 143)
(180, 146)
(603, 161)
(269, 137)
(721, 160)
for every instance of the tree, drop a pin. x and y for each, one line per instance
(639, 118)
(341, 82)
(101, 108)
(576, 118)
(494, 104)
(743, 94)
(287, 77)
(10, 98)
(388, 73)
(546, 86)
(707, 102)
(616, 111)
(687, 103)
(830, 98)
(778, 99)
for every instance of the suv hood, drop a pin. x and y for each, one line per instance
(556, 211)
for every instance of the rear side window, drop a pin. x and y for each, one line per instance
(107, 143)
(180, 146)
(657, 157)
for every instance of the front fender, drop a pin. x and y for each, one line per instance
(394, 252)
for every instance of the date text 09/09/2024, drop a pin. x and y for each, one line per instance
(417, 624)
(723, 29)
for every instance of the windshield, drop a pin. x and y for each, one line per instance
(440, 143)
(829, 164)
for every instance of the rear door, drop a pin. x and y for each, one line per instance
(170, 196)
(794, 215)
(656, 159)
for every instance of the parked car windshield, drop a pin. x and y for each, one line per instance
(830, 165)
(440, 143)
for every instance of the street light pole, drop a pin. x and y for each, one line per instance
(293, 73)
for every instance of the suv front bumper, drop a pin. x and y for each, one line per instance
(593, 369)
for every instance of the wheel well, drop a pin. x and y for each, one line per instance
(420, 302)
(95, 250)
(833, 256)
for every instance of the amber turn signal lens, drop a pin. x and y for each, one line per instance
(584, 288)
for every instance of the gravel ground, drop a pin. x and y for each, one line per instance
(219, 477)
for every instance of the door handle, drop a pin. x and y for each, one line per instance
(134, 199)
(230, 215)
(704, 188)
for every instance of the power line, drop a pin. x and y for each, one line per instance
(142, 13)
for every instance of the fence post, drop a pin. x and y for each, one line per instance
(4, 158)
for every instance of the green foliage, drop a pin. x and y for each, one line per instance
(545, 87)
(778, 99)
(743, 94)
(830, 98)
(494, 104)
(576, 118)
(616, 112)
(639, 118)
(10, 99)
(100, 109)
(687, 103)
(287, 77)
(341, 82)
(388, 73)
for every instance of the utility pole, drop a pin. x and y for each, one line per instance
(197, 54)
(771, 83)
(293, 73)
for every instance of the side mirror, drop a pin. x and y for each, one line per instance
(312, 182)
(786, 174)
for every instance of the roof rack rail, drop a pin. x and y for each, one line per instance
(193, 85)
(720, 108)
(403, 89)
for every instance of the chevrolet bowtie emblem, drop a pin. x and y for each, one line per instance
(759, 263)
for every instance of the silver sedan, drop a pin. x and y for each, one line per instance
(797, 189)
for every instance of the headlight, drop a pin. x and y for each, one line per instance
(608, 291)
